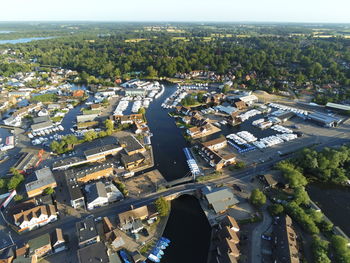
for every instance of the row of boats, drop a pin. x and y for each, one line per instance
(45, 132)
(274, 140)
(251, 113)
(157, 252)
(174, 99)
(288, 108)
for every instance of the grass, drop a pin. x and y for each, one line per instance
(251, 220)
(208, 177)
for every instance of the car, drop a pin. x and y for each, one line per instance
(266, 237)
(98, 219)
(236, 187)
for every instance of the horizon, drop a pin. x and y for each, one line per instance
(225, 11)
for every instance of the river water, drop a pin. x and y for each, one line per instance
(22, 40)
(167, 140)
(189, 232)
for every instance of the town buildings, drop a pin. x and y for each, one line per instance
(43, 179)
(35, 217)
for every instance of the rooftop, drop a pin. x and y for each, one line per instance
(95, 253)
(130, 144)
(86, 230)
(44, 177)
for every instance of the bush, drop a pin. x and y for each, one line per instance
(18, 198)
(48, 191)
(163, 206)
(276, 209)
(257, 198)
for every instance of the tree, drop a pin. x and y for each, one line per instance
(109, 124)
(163, 206)
(319, 249)
(2, 183)
(151, 72)
(90, 136)
(225, 89)
(48, 191)
(276, 209)
(18, 197)
(301, 196)
(341, 249)
(240, 165)
(257, 198)
(142, 111)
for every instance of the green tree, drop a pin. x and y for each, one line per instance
(276, 209)
(341, 249)
(48, 191)
(109, 124)
(151, 72)
(301, 196)
(18, 197)
(163, 206)
(226, 89)
(257, 198)
(90, 136)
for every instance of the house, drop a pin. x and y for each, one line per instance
(57, 240)
(95, 253)
(285, 246)
(231, 223)
(99, 153)
(35, 217)
(215, 144)
(183, 110)
(90, 173)
(249, 99)
(133, 161)
(127, 119)
(219, 199)
(96, 195)
(40, 246)
(240, 105)
(215, 159)
(127, 218)
(131, 145)
(227, 252)
(198, 132)
(43, 179)
(87, 233)
(274, 179)
(76, 196)
(78, 93)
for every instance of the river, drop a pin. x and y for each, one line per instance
(189, 232)
(334, 203)
(167, 140)
(22, 40)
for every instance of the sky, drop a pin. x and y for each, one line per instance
(326, 11)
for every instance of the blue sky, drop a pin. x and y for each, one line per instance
(333, 11)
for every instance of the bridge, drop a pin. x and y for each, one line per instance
(188, 178)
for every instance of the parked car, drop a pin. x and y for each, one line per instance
(266, 237)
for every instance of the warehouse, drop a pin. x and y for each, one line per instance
(324, 119)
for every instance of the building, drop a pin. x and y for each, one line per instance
(215, 159)
(99, 153)
(285, 246)
(135, 92)
(249, 100)
(95, 253)
(87, 233)
(131, 219)
(41, 126)
(338, 107)
(40, 246)
(43, 179)
(127, 119)
(86, 117)
(76, 196)
(57, 240)
(198, 132)
(78, 93)
(96, 195)
(131, 145)
(16, 118)
(215, 144)
(133, 161)
(240, 105)
(90, 173)
(324, 119)
(35, 217)
(226, 109)
(219, 199)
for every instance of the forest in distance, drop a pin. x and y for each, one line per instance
(276, 53)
